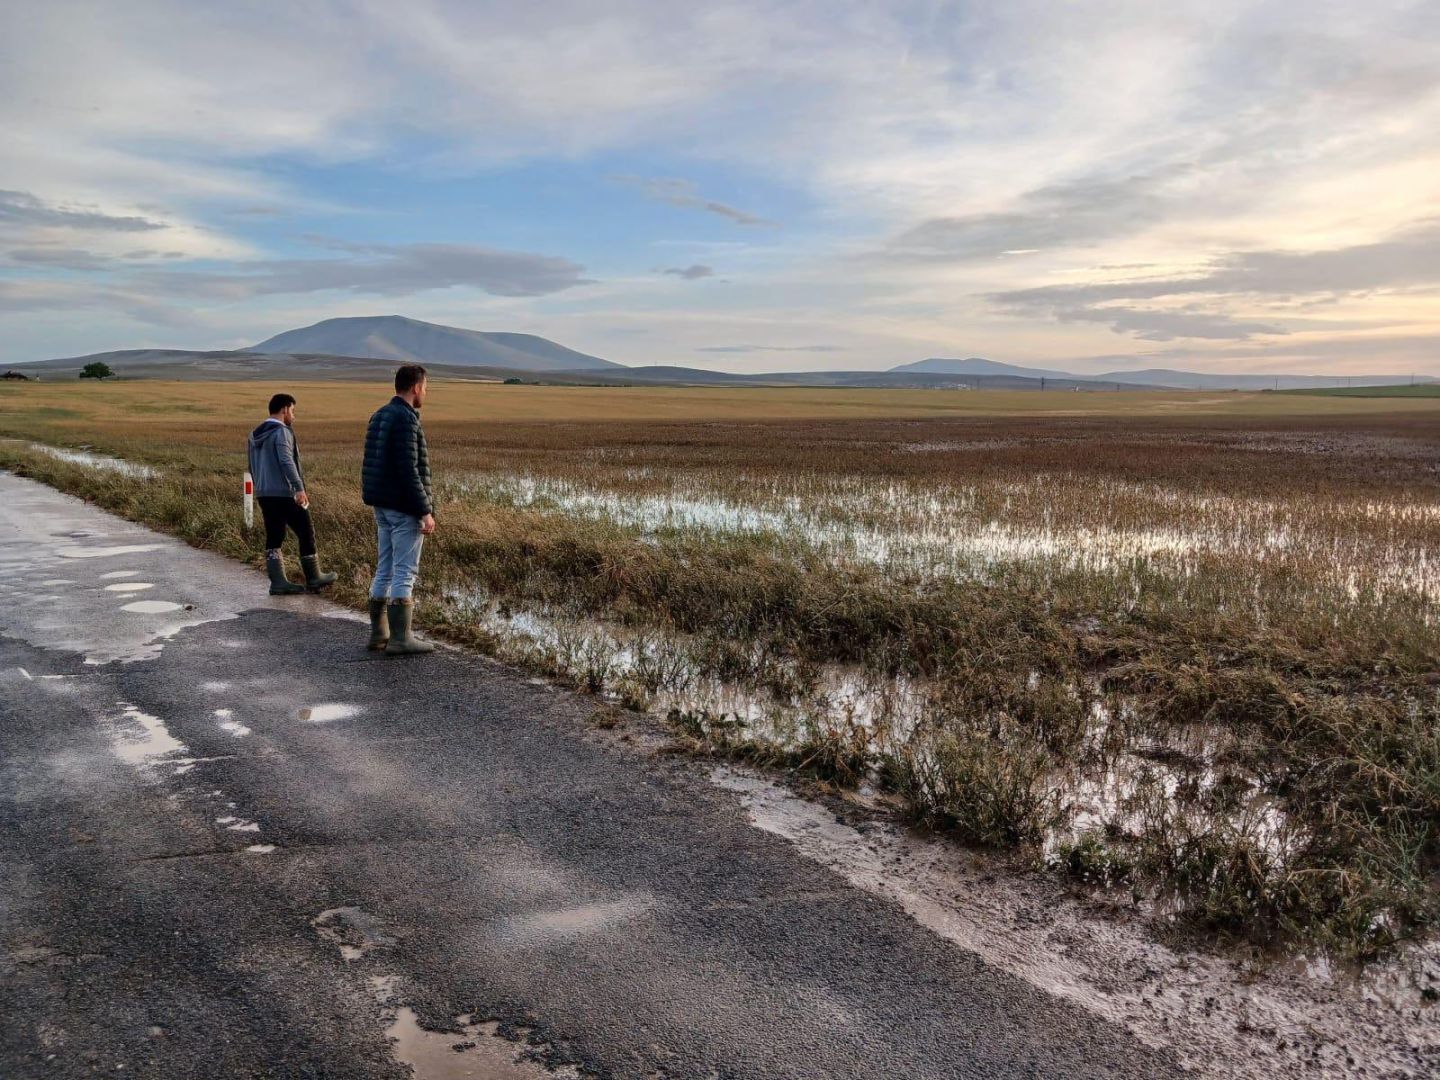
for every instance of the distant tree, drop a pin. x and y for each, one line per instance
(514, 382)
(96, 370)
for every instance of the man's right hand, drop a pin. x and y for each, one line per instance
(427, 524)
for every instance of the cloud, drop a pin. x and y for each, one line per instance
(691, 273)
(1401, 353)
(373, 269)
(771, 348)
(1408, 260)
(683, 193)
(936, 136)
(60, 258)
(26, 297)
(1152, 325)
(1076, 212)
(22, 209)
(382, 270)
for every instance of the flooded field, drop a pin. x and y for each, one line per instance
(1188, 662)
(1056, 523)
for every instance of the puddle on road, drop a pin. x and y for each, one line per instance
(477, 1052)
(129, 586)
(141, 739)
(229, 725)
(151, 607)
(50, 583)
(119, 574)
(260, 849)
(566, 924)
(237, 824)
(102, 552)
(330, 711)
(352, 930)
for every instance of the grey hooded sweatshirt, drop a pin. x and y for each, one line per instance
(275, 460)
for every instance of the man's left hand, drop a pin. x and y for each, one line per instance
(303, 500)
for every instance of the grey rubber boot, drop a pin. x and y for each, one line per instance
(403, 641)
(379, 625)
(280, 585)
(314, 579)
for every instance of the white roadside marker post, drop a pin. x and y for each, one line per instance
(249, 502)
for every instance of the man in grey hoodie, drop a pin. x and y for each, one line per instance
(280, 490)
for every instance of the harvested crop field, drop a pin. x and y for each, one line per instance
(1181, 648)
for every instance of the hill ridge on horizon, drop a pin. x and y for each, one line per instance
(405, 340)
(1165, 378)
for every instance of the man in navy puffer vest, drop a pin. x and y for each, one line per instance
(395, 481)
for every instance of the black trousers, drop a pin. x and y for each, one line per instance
(281, 512)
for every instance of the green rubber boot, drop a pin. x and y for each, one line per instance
(314, 579)
(403, 641)
(280, 585)
(379, 624)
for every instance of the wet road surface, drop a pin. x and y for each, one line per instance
(233, 844)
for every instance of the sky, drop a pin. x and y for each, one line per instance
(769, 185)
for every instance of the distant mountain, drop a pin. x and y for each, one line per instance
(974, 365)
(1164, 378)
(401, 340)
(1199, 380)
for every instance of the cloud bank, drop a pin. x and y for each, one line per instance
(1030, 181)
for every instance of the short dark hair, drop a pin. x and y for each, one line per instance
(408, 377)
(280, 401)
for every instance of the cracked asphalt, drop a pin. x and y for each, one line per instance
(201, 878)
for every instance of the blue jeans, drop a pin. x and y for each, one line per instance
(399, 557)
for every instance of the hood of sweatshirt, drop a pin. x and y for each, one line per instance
(263, 434)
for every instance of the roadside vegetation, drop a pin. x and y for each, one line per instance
(1189, 659)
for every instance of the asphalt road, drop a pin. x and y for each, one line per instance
(232, 844)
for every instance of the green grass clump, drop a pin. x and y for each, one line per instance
(989, 787)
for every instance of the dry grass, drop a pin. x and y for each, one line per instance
(75, 405)
(1181, 645)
